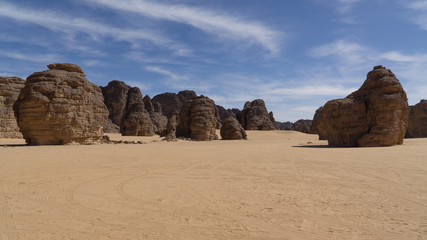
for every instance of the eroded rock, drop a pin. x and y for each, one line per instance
(232, 130)
(10, 87)
(417, 125)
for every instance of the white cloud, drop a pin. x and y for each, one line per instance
(165, 72)
(73, 25)
(345, 5)
(340, 48)
(214, 22)
(419, 13)
(31, 57)
(311, 91)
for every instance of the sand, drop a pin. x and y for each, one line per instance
(276, 185)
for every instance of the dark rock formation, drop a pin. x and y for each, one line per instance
(60, 106)
(172, 102)
(197, 120)
(272, 118)
(417, 125)
(9, 92)
(302, 125)
(222, 112)
(115, 98)
(170, 133)
(136, 121)
(157, 118)
(232, 130)
(283, 125)
(317, 126)
(254, 116)
(374, 115)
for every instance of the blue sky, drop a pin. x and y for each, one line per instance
(294, 54)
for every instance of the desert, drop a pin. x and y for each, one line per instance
(275, 185)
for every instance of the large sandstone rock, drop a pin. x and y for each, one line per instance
(170, 133)
(317, 126)
(232, 130)
(255, 116)
(171, 102)
(197, 120)
(137, 120)
(157, 118)
(115, 98)
(417, 125)
(302, 125)
(374, 115)
(60, 106)
(10, 87)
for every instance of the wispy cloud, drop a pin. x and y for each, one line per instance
(30, 57)
(218, 23)
(73, 25)
(345, 5)
(419, 9)
(165, 72)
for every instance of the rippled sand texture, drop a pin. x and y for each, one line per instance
(277, 185)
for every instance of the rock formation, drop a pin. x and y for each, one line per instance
(172, 102)
(232, 130)
(170, 133)
(157, 118)
(374, 115)
(417, 125)
(9, 91)
(115, 98)
(283, 125)
(272, 119)
(60, 106)
(222, 112)
(197, 120)
(137, 120)
(317, 126)
(254, 116)
(302, 125)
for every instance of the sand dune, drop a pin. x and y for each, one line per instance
(276, 185)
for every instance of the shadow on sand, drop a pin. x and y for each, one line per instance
(312, 146)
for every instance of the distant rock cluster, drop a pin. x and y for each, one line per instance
(60, 106)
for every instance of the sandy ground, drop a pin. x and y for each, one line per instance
(277, 185)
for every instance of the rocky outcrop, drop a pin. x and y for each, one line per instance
(254, 116)
(170, 133)
(115, 98)
(283, 125)
(60, 106)
(172, 102)
(417, 125)
(197, 120)
(222, 112)
(137, 120)
(317, 126)
(232, 130)
(157, 118)
(302, 125)
(10, 87)
(271, 114)
(374, 115)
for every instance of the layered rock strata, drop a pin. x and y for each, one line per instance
(232, 130)
(417, 125)
(10, 87)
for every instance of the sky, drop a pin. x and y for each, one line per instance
(294, 54)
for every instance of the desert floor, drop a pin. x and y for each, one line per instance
(276, 185)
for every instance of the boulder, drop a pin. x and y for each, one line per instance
(374, 115)
(254, 116)
(197, 120)
(302, 125)
(417, 125)
(170, 133)
(60, 106)
(137, 120)
(10, 87)
(317, 126)
(232, 130)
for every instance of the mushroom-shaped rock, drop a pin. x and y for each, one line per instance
(60, 106)
(232, 130)
(417, 125)
(197, 120)
(374, 115)
(10, 87)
